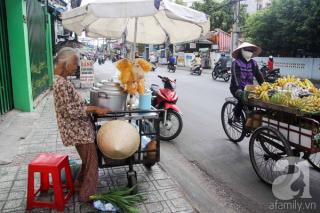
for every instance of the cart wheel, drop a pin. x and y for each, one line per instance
(314, 160)
(234, 129)
(267, 146)
(132, 181)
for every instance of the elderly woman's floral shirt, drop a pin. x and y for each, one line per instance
(73, 122)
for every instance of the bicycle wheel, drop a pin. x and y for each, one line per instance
(267, 146)
(314, 160)
(234, 129)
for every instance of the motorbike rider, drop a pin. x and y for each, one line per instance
(243, 69)
(223, 62)
(153, 59)
(270, 63)
(137, 55)
(172, 60)
(196, 62)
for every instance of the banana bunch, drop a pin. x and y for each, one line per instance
(296, 102)
(281, 82)
(308, 83)
(310, 104)
(264, 96)
(285, 98)
(264, 87)
(314, 90)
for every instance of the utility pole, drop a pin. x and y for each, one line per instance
(235, 34)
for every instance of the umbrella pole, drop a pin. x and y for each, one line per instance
(135, 37)
(131, 101)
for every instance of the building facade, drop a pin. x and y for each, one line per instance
(26, 69)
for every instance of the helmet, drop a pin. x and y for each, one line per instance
(270, 56)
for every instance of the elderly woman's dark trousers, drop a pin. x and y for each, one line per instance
(88, 175)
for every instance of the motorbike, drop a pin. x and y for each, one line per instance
(196, 69)
(166, 98)
(171, 67)
(101, 59)
(269, 75)
(219, 72)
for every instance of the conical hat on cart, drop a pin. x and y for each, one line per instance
(118, 139)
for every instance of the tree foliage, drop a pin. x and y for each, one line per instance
(285, 27)
(220, 12)
(181, 2)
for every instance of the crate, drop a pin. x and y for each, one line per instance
(299, 134)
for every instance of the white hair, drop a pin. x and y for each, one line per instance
(65, 54)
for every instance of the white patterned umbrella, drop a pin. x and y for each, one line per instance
(141, 21)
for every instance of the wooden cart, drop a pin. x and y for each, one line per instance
(280, 132)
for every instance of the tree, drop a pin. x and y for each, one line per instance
(180, 2)
(221, 13)
(285, 27)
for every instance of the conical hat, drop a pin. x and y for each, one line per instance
(118, 139)
(256, 52)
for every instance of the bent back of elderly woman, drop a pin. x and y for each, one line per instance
(75, 126)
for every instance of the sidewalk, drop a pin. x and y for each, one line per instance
(163, 193)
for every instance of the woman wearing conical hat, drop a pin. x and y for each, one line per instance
(244, 68)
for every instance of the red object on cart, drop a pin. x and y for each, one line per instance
(46, 164)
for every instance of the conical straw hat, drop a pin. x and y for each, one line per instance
(118, 139)
(256, 50)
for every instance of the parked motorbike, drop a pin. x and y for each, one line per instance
(166, 98)
(171, 68)
(219, 72)
(269, 76)
(196, 69)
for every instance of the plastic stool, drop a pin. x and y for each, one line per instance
(47, 163)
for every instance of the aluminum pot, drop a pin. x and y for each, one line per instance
(94, 95)
(109, 95)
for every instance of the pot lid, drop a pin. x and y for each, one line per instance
(112, 88)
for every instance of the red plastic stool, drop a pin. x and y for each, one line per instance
(47, 163)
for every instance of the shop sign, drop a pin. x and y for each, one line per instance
(214, 47)
(193, 45)
(86, 72)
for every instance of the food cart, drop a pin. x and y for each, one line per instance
(277, 132)
(147, 123)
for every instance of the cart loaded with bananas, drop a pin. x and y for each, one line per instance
(282, 120)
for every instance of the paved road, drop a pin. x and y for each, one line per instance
(216, 174)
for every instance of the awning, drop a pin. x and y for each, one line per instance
(55, 11)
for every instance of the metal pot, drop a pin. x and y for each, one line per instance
(110, 95)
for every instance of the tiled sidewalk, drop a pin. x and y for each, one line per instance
(163, 194)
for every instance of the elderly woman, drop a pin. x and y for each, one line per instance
(74, 123)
